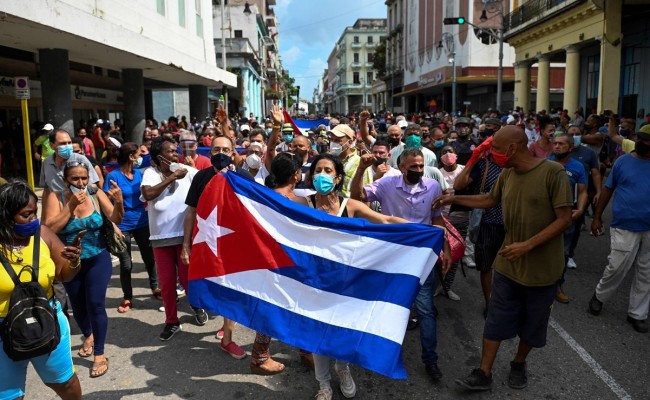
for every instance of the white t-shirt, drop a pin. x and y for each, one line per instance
(167, 211)
(450, 177)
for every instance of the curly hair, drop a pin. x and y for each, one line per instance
(14, 196)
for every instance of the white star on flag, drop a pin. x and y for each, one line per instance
(210, 231)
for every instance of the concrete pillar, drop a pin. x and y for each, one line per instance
(572, 79)
(55, 86)
(543, 83)
(522, 84)
(610, 58)
(198, 102)
(134, 114)
(148, 103)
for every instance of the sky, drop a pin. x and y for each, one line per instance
(309, 29)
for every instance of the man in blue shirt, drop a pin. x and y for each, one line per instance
(562, 147)
(630, 232)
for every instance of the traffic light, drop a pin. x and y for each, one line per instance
(454, 21)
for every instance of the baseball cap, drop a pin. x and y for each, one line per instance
(244, 128)
(343, 130)
(644, 132)
(47, 127)
(510, 119)
(287, 127)
(402, 124)
(463, 120)
(492, 121)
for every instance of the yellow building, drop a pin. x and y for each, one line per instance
(597, 40)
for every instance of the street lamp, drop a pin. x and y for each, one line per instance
(297, 100)
(496, 6)
(247, 9)
(452, 61)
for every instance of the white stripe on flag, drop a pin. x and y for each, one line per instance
(376, 317)
(356, 251)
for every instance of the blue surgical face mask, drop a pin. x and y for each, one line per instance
(413, 142)
(27, 230)
(75, 189)
(64, 151)
(323, 183)
(137, 163)
(438, 144)
(577, 141)
(269, 131)
(287, 138)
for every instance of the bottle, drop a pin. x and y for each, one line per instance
(222, 102)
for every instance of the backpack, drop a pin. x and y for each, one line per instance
(31, 327)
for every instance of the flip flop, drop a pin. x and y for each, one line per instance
(85, 352)
(125, 306)
(96, 366)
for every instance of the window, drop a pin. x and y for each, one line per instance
(181, 13)
(371, 57)
(370, 39)
(355, 78)
(356, 39)
(356, 57)
(160, 7)
(239, 33)
(631, 70)
(593, 71)
(369, 77)
(98, 71)
(199, 20)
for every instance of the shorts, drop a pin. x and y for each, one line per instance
(488, 244)
(518, 310)
(55, 367)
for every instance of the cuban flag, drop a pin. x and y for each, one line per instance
(340, 287)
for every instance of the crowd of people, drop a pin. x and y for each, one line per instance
(516, 186)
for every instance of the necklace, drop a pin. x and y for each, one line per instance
(19, 250)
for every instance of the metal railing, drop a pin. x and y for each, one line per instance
(535, 10)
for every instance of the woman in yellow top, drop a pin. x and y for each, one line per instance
(18, 225)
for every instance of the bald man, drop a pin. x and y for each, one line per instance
(536, 200)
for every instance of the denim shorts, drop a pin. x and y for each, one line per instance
(518, 310)
(55, 367)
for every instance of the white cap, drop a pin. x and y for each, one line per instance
(244, 128)
(115, 142)
(510, 119)
(99, 122)
(402, 124)
(47, 127)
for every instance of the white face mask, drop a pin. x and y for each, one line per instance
(336, 148)
(173, 167)
(253, 161)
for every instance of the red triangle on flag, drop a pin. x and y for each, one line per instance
(289, 120)
(227, 238)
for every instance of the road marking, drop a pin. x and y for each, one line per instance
(593, 364)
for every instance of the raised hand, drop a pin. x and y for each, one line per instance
(277, 115)
(115, 193)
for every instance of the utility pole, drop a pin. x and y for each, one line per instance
(452, 60)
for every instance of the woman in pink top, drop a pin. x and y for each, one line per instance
(543, 147)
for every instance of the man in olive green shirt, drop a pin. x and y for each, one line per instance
(536, 199)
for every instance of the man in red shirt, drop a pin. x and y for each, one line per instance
(189, 156)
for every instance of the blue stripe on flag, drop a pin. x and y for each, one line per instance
(345, 280)
(369, 351)
(416, 235)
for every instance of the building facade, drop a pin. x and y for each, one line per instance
(108, 71)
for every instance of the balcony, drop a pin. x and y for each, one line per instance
(340, 67)
(535, 11)
(370, 64)
(355, 65)
(371, 45)
(356, 45)
(270, 21)
(340, 50)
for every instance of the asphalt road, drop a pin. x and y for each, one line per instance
(586, 357)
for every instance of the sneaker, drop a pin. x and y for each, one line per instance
(517, 378)
(324, 394)
(476, 380)
(161, 308)
(234, 350)
(434, 372)
(452, 296)
(115, 260)
(200, 316)
(469, 262)
(561, 297)
(179, 290)
(169, 331)
(571, 263)
(639, 325)
(595, 305)
(348, 388)
(413, 323)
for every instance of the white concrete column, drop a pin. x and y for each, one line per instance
(610, 58)
(572, 78)
(543, 83)
(522, 84)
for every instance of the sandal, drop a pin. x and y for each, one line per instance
(97, 367)
(125, 306)
(85, 352)
(157, 293)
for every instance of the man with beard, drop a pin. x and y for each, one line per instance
(630, 232)
(591, 136)
(562, 146)
(464, 145)
(301, 146)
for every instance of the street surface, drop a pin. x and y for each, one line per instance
(586, 357)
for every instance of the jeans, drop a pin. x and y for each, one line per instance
(141, 236)
(428, 314)
(568, 236)
(322, 369)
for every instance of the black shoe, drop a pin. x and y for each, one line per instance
(517, 378)
(413, 323)
(595, 305)
(433, 371)
(476, 380)
(200, 316)
(639, 325)
(169, 331)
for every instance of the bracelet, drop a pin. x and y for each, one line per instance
(77, 264)
(277, 126)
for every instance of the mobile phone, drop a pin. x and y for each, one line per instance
(77, 240)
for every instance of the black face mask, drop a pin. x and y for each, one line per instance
(380, 161)
(587, 127)
(561, 156)
(393, 141)
(624, 132)
(642, 149)
(487, 132)
(414, 177)
(220, 161)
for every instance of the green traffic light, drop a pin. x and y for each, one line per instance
(461, 21)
